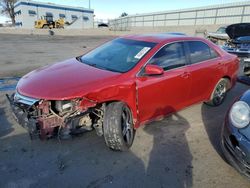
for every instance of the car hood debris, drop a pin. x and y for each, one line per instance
(238, 30)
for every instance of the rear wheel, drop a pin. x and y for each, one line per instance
(118, 126)
(219, 92)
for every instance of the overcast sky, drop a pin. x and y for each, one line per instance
(108, 9)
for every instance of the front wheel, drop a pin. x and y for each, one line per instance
(118, 126)
(219, 92)
(45, 27)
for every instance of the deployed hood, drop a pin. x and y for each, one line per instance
(238, 30)
(65, 80)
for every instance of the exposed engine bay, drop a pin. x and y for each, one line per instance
(239, 44)
(239, 39)
(239, 47)
(62, 119)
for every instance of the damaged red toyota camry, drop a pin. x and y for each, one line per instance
(121, 85)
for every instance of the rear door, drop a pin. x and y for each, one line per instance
(205, 68)
(163, 94)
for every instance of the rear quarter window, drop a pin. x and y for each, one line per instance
(200, 51)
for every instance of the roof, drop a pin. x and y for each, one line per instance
(158, 37)
(52, 6)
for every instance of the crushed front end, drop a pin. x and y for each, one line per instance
(242, 50)
(62, 118)
(239, 44)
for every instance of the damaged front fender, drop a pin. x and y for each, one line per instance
(126, 93)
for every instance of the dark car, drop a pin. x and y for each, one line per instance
(239, 42)
(236, 135)
(101, 25)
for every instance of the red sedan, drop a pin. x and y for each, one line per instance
(121, 85)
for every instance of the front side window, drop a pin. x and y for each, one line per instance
(171, 56)
(49, 16)
(119, 55)
(199, 51)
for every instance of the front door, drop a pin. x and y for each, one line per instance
(163, 94)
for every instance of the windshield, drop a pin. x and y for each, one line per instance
(221, 30)
(119, 55)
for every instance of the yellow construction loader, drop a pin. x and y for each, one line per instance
(47, 22)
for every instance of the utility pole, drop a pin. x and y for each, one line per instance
(89, 4)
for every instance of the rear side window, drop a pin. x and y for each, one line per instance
(169, 57)
(199, 51)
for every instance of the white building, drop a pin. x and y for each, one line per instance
(27, 12)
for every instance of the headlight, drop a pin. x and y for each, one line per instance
(240, 114)
(63, 106)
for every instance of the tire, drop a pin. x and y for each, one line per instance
(118, 126)
(219, 92)
(45, 27)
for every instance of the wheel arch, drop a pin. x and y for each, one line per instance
(125, 93)
(230, 80)
(118, 128)
(212, 89)
(132, 109)
(212, 93)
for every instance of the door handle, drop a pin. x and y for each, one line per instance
(185, 75)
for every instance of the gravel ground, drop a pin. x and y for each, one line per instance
(20, 54)
(180, 151)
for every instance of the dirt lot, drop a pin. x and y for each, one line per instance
(180, 151)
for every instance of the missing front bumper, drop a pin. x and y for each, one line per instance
(37, 118)
(22, 118)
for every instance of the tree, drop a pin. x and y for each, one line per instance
(7, 7)
(124, 14)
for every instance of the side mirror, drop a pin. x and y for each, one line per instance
(153, 70)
